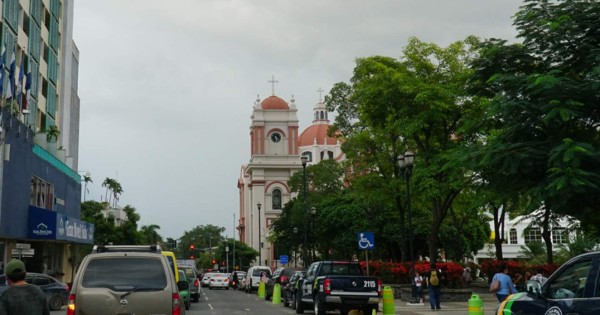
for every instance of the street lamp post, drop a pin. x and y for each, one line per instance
(304, 160)
(259, 240)
(295, 252)
(313, 213)
(227, 256)
(405, 163)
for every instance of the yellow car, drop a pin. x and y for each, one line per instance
(173, 262)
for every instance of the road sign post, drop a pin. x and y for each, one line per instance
(366, 241)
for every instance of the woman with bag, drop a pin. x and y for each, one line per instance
(502, 284)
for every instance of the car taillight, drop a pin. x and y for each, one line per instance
(71, 305)
(226, 279)
(327, 286)
(283, 279)
(379, 285)
(196, 283)
(176, 304)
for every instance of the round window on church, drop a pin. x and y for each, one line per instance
(275, 137)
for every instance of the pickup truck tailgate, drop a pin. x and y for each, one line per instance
(350, 285)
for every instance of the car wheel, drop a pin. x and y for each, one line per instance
(318, 306)
(369, 309)
(299, 305)
(293, 301)
(55, 303)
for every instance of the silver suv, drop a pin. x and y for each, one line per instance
(117, 281)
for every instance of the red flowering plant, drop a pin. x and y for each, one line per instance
(395, 273)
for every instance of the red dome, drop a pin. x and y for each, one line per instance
(274, 102)
(307, 138)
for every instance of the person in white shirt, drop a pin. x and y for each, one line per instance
(419, 285)
(539, 276)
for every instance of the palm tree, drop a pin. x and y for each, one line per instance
(87, 178)
(52, 133)
(117, 190)
(108, 183)
(150, 235)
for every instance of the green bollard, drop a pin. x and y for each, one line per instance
(388, 301)
(261, 290)
(475, 305)
(277, 293)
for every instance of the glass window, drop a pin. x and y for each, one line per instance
(513, 236)
(533, 234)
(276, 198)
(121, 274)
(571, 281)
(308, 155)
(559, 236)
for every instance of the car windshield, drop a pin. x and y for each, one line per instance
(124, 273)
(258, 272)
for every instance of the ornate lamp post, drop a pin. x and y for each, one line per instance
(259, 240)
(313, 213)
(405, 162)
(304, 161)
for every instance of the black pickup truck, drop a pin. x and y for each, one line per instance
(341, 285)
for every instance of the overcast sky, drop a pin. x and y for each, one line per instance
(167, 87)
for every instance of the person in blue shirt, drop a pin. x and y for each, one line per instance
(506, 285)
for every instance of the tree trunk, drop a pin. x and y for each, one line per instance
(547, 237)
(499, 214)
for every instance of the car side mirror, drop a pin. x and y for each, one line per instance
(534, 287)
(183, 285)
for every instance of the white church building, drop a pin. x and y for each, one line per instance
(276, 148)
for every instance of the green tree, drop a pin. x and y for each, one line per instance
(419, 103)
(104, 229)
(205, 238)
(243, 253)
(127, 233)
(543, 97)
(149, 234)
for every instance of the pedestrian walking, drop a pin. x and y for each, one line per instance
(502, 285)
(419, 285)
(467, 276)
(21, 297)
(433, 284)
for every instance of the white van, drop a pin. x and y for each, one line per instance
(253, 277)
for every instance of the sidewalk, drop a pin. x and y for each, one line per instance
(448, 308)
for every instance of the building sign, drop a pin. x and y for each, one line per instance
(51, 225)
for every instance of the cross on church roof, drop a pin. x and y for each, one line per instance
(320, 90)
(272, 81)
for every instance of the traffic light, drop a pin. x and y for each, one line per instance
(223, 263)
(192, 246)
(214, 261)
(191, 256)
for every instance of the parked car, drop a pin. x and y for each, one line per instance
(190, 273)
(571, 289)
(253, 277)
(219, 280)
(290, 290)
(57, 293)
(121, 282)
(185, 294)
(280, 276)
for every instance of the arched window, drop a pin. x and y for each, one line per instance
(276, 198)
(308, 155)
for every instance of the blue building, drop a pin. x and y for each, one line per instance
(40, 188)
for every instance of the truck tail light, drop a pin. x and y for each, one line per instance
(176, 304)
(71, 305)
(379, 285)
(327, 286)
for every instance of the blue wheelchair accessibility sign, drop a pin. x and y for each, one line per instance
(366, 240)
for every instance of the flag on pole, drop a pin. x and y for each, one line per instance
(2, 57)
(11, 78)
(27, 95)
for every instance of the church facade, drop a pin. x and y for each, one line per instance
(276, 148)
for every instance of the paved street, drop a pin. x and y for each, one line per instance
(225, 302)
